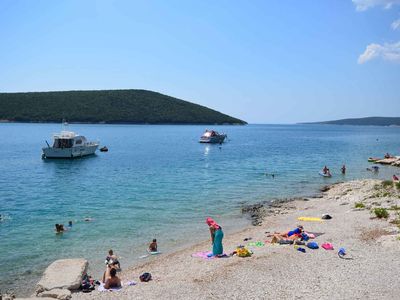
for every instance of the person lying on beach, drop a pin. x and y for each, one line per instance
(288, 235)
(112, 280)
(153, 246)
(112, 260)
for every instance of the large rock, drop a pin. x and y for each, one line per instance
(63, 274)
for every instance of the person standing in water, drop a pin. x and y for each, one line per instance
(216, 237)
(344, 169)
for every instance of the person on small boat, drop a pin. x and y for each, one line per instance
(153, 246)
(111, 278)
(325, 170)
(216, 237)
(344, 169)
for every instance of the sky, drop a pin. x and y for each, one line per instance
(262, 61)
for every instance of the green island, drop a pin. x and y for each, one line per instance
(107, 106)
(368, 121)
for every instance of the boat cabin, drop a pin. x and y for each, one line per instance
(68, 139)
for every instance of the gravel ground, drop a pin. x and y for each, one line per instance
(281, 272)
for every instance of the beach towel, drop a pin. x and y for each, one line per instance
(208, 255)
(203, 254)
(256, 244)
(309, 219)
(101, 288)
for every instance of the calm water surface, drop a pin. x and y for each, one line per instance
(158, 181)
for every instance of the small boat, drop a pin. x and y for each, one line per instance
(68, 144)
(325, 174)
(104, 149)
(212, 137)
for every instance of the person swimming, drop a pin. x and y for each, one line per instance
(59, 228)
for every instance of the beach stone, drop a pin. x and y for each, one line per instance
(62, 294)
(34, 298)
(63, 274)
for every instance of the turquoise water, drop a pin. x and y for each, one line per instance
(158, 181)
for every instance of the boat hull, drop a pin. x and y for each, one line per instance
(218, 139)
(69, 152)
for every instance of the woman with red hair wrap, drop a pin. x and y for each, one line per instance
(216, 237)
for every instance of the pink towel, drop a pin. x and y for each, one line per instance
(203, 254)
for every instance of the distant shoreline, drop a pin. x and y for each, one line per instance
(118, 123)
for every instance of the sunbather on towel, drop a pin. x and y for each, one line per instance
(289, 235)
(112, 280)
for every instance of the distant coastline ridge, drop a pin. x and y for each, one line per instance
(107, 107)
(368, 121)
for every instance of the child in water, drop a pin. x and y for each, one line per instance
(153, 246)
(112, 260)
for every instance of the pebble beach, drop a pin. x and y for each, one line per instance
(370, 270)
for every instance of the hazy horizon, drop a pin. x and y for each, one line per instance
(265, 63)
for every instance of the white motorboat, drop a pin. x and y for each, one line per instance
(212, 137)
(68, 144)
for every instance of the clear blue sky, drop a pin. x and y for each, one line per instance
(262, 61)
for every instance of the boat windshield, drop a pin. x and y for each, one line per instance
(62, 143)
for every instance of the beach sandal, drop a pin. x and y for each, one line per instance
(342, 253)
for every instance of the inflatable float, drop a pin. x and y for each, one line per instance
(324, 175)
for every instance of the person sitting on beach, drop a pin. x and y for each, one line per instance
(387, 155)
(153, 246)
(112, 280)
(112, 260)
(395, 178)
(288, 235)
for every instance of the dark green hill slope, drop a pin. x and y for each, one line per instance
(108, 106)
(376, 121)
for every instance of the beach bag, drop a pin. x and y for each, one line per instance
(312, 245)
(145, 277)
(87, 284)
(243, 252)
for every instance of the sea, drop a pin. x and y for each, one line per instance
(158, 181)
